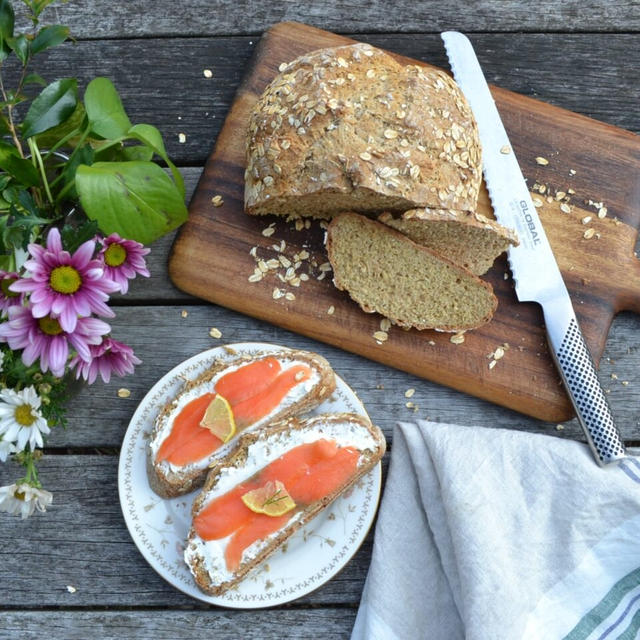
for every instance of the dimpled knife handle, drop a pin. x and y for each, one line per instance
(591, 406)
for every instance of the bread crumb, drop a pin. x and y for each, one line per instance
(215, 333)
(71, 588)
(217, 201)
(542, 161)
(184, 313)
(124, 393)
(625, 383)
(331, 310)
(559, 427)
(506, 149)
(381, 336)
(457, 338)
(207, 73)
(409, 393)
(182, 138)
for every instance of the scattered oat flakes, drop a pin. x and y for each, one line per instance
(565, 208)
(215, 333)
(71, 588)
(586, 220)
(572, 172)
(184, 313)
(589, 233)
(255, 277)
(492, 364)
(217, 201)
(625, 382)
(409, 405)
(537, 202)
(409, 393)
(457, 338)
(614, 376)
(498, 353)
(385, 324)
(208, 73)
(602, 212)
(289, 296)
(182, 138)
(269, 231)
(559, 427)
(542, 161)
(506, 149)
(331, 310)
(381, 336)
(123, 393)
(277, 293)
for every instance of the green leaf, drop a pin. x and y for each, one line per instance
(137, 152)
(49, 37)
(22, 170)
(52, 107)
(34, 78)
(20, 46)
(7, 20)
(74, 122)
(150, 136)
(73, 237)
(134, 199)
(107, 116)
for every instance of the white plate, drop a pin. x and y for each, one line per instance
(159, 527)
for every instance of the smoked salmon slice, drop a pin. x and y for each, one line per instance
(253, 391)
(310, 472)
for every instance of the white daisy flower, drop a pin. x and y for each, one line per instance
(20, 418)
(24, 499)
(6, 449)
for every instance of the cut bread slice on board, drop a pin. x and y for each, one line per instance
(384, 271)
(469, 239)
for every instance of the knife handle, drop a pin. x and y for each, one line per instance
(581, 381)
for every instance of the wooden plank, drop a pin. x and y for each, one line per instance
(274, 624)
(104, 19)
(163, 339)
(599, 162)
(82, 541)
(161, 80)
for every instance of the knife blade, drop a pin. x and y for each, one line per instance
(535, 270)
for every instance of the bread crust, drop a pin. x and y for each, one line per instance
(170, 484)
(353, 125)
(402, 322)
(238, 457)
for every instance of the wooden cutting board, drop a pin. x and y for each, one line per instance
(589, 161)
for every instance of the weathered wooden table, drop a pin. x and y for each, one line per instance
(583, 56)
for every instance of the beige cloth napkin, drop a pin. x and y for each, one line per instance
(496, 534)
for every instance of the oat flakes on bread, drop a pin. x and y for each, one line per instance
(469, 239)
(207, 559)
(351, 129)
(384, 271)
(170, 480)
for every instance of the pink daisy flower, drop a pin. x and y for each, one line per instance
(9, 298)
(45, 338)
(63, 285)
(110, 356)
(123, 259)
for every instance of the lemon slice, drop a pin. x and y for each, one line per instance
(218, 418)
(272, 499)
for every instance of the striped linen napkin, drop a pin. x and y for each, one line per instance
(494, 534)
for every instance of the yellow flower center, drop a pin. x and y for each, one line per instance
(24, 415)
(19, 495)
(50, 326)
(65, 279)
(115, 255)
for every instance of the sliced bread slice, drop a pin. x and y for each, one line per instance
(384, 271)
(172, 473)
(464, 237)
(344, 446)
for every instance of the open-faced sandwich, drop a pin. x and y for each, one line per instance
(270, 485)
(203, 422)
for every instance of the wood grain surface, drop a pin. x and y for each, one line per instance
(588, 160)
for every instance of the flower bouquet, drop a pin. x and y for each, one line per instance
(80, 197)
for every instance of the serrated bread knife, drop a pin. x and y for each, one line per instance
(535, 270)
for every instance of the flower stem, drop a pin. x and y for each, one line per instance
(35, 154)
